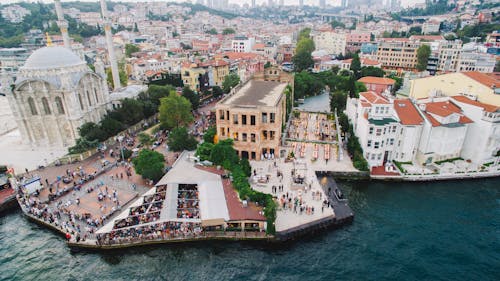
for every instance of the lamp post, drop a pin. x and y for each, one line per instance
(120, 140)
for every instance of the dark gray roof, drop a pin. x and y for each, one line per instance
(257, 93)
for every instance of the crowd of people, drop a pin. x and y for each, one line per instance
(148, 211)
(164, 230)
(188, 201)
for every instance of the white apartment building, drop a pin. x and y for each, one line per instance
(425, 131)
(431, 26)
(330, 41)
(242, 44)
(449, 55)
(387, 129)
(483, 136)
(473, 61)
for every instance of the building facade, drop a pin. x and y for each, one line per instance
(398, 54)
(253, 116)
(54, 94)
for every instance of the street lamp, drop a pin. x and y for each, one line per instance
(120, 140)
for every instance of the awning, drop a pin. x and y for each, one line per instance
(212, 222)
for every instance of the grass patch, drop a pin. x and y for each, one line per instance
(448, 160)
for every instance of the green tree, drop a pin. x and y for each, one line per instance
(217, 91)
(156, 92)
(338, 101)
(423, 53)
(497, 66)
(209, 134)
(305, 45)
(302, 61)
(193, 97)
(304, 34)
(149, 164)
(356, 65)
(268, 64)
(224, 153)
(82, 145)
(130, 111)
(343, 122)
(121, 73)
(175, 111)
(212, 31)
(130, 49)
(144, 138)
(230, 81)
(227, 31)
(179, 139)
(372, 71)
(111, 126)
(204, 151)
(336, 24)
(136, 29)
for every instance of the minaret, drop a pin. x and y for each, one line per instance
(111, 49)
(62, 23)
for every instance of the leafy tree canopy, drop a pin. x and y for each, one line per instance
(193, 97)
(150, 164)
(230, 82)
(179, 140)
(175, 111)
(130, 49)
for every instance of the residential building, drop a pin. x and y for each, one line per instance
(482, 141)
(449, 55)
(14, 13)
(431, 26)
(194, 76)
(242, 44)
(483, 87)
(331, 41)
(398, 53)
(253, 116)
(443, 132)
(493, 39)
(355, 40)
(378, 85)
(473, 61)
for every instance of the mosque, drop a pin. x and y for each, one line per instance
(56, 92)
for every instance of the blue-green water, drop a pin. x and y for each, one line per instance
(402, 231)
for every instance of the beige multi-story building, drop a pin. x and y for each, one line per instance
(253, 116)
(398, 53)
(330, 41)
(449, 54)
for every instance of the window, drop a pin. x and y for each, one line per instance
(394, 128)
(235, 136)
(382, 144)
(222, 131)
(227, 115)
(32, 106)
(369, 144)
(271, 135)
(80, 100)
(370, 130)
(252, 120)
(264, 135)
(376, 145)
(379, 156)
(253, 155)
(252, 137)
(401, 130)
(244, 137)
(235, 119)
(96, 96)
(88, 98)
(243, 119)
(264, 117)
(379, 132)
(46, 107)
(273, 117)
(59, 105)
(385, 130)
(221, 114)
(399, 143)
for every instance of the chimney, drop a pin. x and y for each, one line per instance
(62, 23)
(111, 50)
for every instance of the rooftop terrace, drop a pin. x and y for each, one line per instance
(256, 93)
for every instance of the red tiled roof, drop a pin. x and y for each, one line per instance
(369, 62)
(489, 80)
(485, 106)
(377, 80)
(380, 171)
(433, 121)
(427, 37)
(374, 98)
(442, 108)
(407, 112)
(464, 120)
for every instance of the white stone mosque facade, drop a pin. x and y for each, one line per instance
(55, 93)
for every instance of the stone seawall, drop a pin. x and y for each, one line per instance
(348, 175)
(312, 227)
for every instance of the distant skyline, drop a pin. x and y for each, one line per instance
(404, 3)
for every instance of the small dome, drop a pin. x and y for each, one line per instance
(52, 57)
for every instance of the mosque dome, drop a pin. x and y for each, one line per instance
(52, 57)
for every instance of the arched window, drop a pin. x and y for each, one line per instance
(96, 96)
(88, 98)
(31, 103)
(46, 107)
(80, 100)
(59, 105)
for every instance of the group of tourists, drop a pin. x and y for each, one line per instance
(188, 201)
(148, 211)
(157, 231)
